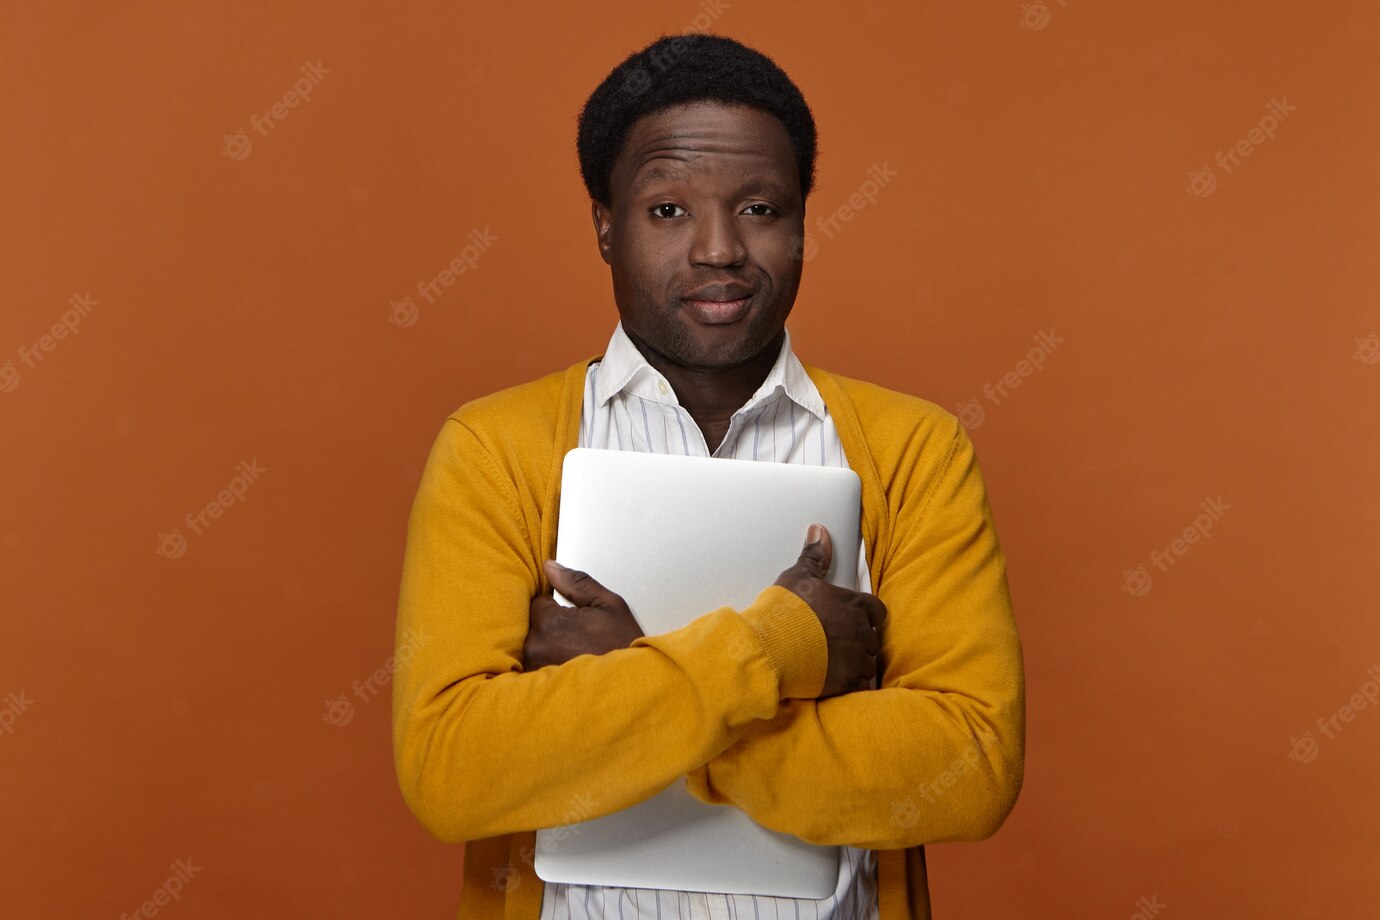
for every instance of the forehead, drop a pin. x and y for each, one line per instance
(684, 139)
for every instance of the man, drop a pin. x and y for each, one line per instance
(517, 714)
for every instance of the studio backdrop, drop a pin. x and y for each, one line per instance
(254, 254)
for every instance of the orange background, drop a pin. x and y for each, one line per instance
(1217, 344)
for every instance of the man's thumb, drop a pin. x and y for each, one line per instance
(818, 551)
(576, 586)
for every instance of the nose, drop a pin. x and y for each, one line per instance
(717, 242)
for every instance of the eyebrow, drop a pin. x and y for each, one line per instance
(754, 185)
(759, 186)
(657, 174)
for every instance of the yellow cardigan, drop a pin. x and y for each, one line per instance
(486, 753)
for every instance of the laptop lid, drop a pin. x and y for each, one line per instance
(649, 527)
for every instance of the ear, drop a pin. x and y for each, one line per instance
(603, 229)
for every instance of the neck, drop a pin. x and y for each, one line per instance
(712, 394)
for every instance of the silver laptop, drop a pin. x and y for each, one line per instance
(678, 537)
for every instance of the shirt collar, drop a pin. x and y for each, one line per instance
(623, 368)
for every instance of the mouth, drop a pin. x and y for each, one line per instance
(718, 312)
(717, 304)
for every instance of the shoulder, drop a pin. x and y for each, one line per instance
(517, 409)
(903, 445)
(889, 421)
(873, 398)
(520, 426)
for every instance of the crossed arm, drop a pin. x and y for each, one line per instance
(484, 746)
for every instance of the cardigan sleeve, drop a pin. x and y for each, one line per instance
(482, 748)
(936, 752)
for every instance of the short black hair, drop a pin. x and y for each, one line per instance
(674, 70)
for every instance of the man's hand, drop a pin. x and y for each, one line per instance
(599, 622)
(852, 620)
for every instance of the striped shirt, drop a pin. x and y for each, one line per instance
(629, 405)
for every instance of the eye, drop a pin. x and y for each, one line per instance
(766, 210)
(660, 210)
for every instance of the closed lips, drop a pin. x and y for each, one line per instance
(720, 293)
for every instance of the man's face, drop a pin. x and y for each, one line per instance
(703, 238)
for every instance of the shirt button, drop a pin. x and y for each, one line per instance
(661, 387)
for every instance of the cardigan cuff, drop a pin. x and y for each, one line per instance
(794, 641)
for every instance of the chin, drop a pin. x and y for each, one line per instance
(733, 344)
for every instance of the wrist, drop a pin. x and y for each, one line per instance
(792, 638)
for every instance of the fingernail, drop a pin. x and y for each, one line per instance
(814, 535)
